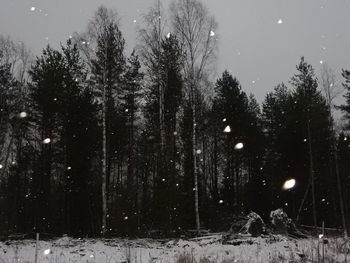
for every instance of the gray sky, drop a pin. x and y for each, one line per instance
(252, 44)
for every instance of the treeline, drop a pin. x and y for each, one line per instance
(97, 142)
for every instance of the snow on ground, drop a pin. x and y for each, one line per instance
(201, 250)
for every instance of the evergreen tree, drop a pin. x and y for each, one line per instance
(171, 60)
(130, 109)
(299, 133)
(238, 125)
(47, 74)
(107, 69)
(78, 118)
(280, 132)
(166, 179)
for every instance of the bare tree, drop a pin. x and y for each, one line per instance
(332, 90)
(151, 37)
(17, 55)
(330, 85)
(195, 29)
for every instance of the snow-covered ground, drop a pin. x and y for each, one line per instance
(202, 250)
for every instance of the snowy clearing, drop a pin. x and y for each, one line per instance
(206, 249)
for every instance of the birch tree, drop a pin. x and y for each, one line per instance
(195, 29)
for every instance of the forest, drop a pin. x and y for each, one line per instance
(98, 142)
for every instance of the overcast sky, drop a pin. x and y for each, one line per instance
(252, 44)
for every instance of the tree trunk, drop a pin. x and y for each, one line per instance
(104, 163)
(312, 174)
(195, 169)
(341, 200)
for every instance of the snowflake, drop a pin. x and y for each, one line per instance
(47, 140)
(280, 21)
(23, 115)
(289, 184)
(32, 8)
(239, 146)
(227, 129)
(212, 33)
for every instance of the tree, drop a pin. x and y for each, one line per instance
(231, 105)
(298, 135)
(329, 85)
(150, 51)
(130, 99)
(307, 95)
(107, 69)
(237, 117)
(47, 74)
(196, 32)
(17, 55)
(165, 93)
(87, 41)
(331, 91)
(14, 157)
(171, 80)
(79, 126)
(346, 108)
(279, 133)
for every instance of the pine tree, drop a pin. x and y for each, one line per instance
(280, 133)
(171, 61)
(47, 74)
(78, 118)
(313, 116)
(298, 134)
(130, 109)
(237, 122)
(166, 90)
(231, 105)
(107, 69)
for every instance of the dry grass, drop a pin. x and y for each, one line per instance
(261, 250)
(293, 251)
